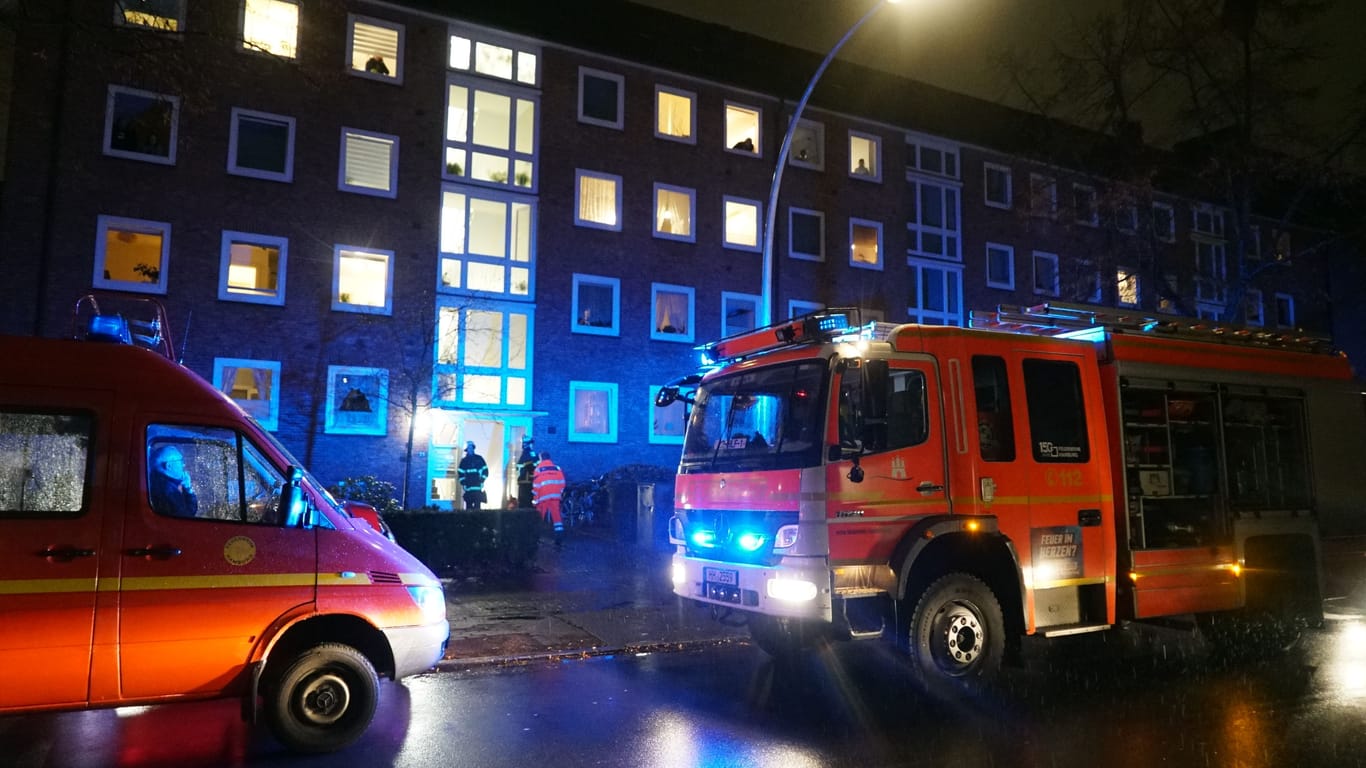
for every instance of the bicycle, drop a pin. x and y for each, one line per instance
(581, 501)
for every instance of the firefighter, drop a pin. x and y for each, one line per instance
(526, 469)
(473, 472)
(547, 488)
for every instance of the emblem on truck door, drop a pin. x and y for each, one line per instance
(239, 550)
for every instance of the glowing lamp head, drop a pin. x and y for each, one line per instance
(750, 541)
(704, 538)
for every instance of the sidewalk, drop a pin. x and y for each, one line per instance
(593, 596)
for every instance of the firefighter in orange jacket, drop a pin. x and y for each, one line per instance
(547, 487)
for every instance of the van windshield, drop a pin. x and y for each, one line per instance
(766, 418)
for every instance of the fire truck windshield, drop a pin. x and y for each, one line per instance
(765, 418)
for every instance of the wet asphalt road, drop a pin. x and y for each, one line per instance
(1151, 697)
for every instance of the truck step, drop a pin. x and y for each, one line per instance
(1063, 630)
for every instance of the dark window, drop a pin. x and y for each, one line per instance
(600, 99)
(1057, 415)
(44, 464)
(906, 423)
(806, 233)
(262, 144)
(995, 425)
(141, 124)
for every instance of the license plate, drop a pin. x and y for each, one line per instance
(721, 576)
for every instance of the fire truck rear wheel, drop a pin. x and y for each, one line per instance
(957, 634)
(324, 700)
(784, 638)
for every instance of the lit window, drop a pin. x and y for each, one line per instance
(742, 129)
(807, 149)
(996, 185)
(141, 125)
(1084, 205)
(936, 293)
(739, 312)
(597, 305)
(674, 212)
(675, 117)
(261, 145)
(161, 15)
(1046, 273)
(369, 163)
(1043, 196)
(252, 268)
(592, 412)
(483, 355)
(493, 60)
(667, 423)
(1127, 292)
(490, 56)
(490, 135)
(252, 384)
(865, 244)
(865, 156)
(362, 279)
(375, 48)
(357, 401)
(927, 156)
(600, 98)
(271, 26)
(672, 312)
(486, 243)
(598, 202)
(1000, 266)
(131, 254)
(741, 218)
(806, 234)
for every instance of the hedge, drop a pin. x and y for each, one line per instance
(451, 543)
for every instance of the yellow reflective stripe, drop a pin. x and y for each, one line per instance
(151, 583)
(147, 583)
(1172, 570)
(1070, 582)
(46, 586)
(419, 580)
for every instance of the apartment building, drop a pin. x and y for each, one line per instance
(388, 228)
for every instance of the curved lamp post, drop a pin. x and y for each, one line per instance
(766, 298)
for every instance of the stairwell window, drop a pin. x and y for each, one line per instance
(271, 26)
(374, 49)
(141, 125)
(369, 163)
(362, 279)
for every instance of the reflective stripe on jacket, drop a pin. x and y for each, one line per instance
(548, 483)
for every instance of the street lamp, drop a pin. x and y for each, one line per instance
(766, 298)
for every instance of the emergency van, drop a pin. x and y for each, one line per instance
(1048, 471)
(158, 545)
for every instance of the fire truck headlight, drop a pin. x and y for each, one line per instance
(791, 590)
(786, 537)
(678, 573)
(704, 538)
(430, 600)
(675, 530)
(750, 541)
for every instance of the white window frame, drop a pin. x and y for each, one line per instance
(1170, 235)
(1128, 275)
(874, 174)
(1008, 173)
(726, 242)
(653, 410)
(799, 307)
(1092, 219)
(271, 420)
(338, 305)
(1289, 304)
(463, 56)
(226, 293)
(791, 245)
(1043, 208)
(172, 140)
(1217, 221)
(103, 225)
(691, 137)
(459, 242)
(817, 132)
(691, 293)
(238, 115)
(1009, 283)
(1034, 269)
(291, 53)
(881, 252)
(945, 272)
(1211, 280)
(471, 379)
(610, 390)
(1207, 311)
(379, 405)
(917, 145)
(656, 223)
(462, 151)
(345, 186)
(580, 280)
(123, 7)
(395, 76)
(620, 80)
(731, 297)
(950, 204)
(758, 137)
(579, 175)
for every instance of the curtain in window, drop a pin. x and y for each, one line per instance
(598, 200)
(229, 380)
(671, 313)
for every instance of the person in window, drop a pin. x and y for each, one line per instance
(376, 64)
(473, 472)
(168, 487)
(744, 145)
(862, 169)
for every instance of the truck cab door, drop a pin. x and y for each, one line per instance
(53, 494)
(204, 580)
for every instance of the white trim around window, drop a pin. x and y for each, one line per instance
(667, 423)
(249, 157)
(819, 253)
(800, 307)
(865, 156)
(671, 222)
(368, 163)
(124, 267)
(669, 124)
(135, 127)
(808, 145)
(1007, 181)
(594, 207)
(592, 412)
(588, 73)
(252, 384)
(588, 312)
(1041, 276)
(735, 307)
(1002, 274)
(357, 401)
(665, 318)
(742, 224)
(252, 268)
(368, 39)
(859, 256)
(362, 280)
(744, 129)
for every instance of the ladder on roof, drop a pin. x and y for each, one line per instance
(1058, 318)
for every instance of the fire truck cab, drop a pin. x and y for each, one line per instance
(1049, 471)
(158, 545)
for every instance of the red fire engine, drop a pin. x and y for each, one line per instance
(1048, 471)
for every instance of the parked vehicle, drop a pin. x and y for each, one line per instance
(158, 545)
(367, 512)
(1051, 471)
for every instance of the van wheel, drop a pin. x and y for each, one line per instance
(956, 637)
(784, 638)
(324, 700)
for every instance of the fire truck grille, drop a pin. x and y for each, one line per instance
(739, 536)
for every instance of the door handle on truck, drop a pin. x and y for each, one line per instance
(927, 487)
(66, 554)
(161, 552)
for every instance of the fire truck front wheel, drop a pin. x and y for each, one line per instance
(324, 700)
(957, 634)
(784, 638)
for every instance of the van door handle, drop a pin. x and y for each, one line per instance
(1088, 517)
(160, 552)
(927, 487)
(66, 554)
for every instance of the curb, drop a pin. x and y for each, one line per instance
(584, 654)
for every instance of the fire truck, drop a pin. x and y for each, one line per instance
(1047, 471)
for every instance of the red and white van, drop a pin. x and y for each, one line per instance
(254, 584)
